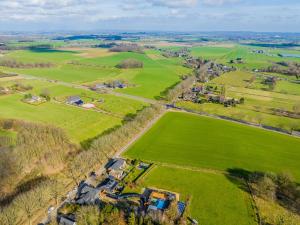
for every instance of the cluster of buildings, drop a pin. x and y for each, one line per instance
(111, 85)
(107, 189)
(205, 93)
(217, 69)
(152, 202)
(182, 53)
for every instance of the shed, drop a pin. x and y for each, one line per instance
(74, 100)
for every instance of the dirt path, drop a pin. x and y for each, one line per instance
(141, 133)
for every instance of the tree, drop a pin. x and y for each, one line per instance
(115, 218)
(27, 203)
(259, 118)
(171, 213)
(55, 189)
(8, 215)
(131, 219)
(266, 187)
(242, 100)
(88, 215)
(45, 93)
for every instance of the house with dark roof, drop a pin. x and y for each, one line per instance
(109, 185)
(88, 195)
(116, 168)
(66, 221)
(74, 100)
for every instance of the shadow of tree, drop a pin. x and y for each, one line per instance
(47, 49)
(22, 188)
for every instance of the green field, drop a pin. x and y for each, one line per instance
(191, 140)
(151, 81)
(192, 153)
(236, 78)
(215, 200)
(251, 60)
(80, 124)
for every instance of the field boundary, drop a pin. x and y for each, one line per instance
(226, 118)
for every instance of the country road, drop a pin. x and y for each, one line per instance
(79, 86)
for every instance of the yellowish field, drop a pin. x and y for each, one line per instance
(90, 52)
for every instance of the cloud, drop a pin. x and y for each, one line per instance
(149, 14)
(173, 3)
(219, 2)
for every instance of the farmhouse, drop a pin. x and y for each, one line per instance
(116, 169)
(74, 100)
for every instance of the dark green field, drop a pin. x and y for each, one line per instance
(194, 141)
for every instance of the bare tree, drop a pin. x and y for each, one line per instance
(27, 203)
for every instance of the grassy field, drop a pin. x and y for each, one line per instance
(215, 200)
(80, 124)
(251, 60)
(190, 140)
(247, 113)
(236, 78)
(95, 65)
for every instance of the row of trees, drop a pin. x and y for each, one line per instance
(130, 63)
(183, 86)
(39, 147)
(11, 63)
(106, 146)
(123, 214)
(127, 48)
(288, 68)
(19, 86)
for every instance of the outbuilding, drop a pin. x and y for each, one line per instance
(74, 100)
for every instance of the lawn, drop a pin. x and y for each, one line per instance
(191, 140)
(215, 200)
(80, 124)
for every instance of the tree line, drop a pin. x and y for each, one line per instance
(11, 63)
(127, 48)
(287, 68)
(130, 63)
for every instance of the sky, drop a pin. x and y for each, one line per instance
(150, 15)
